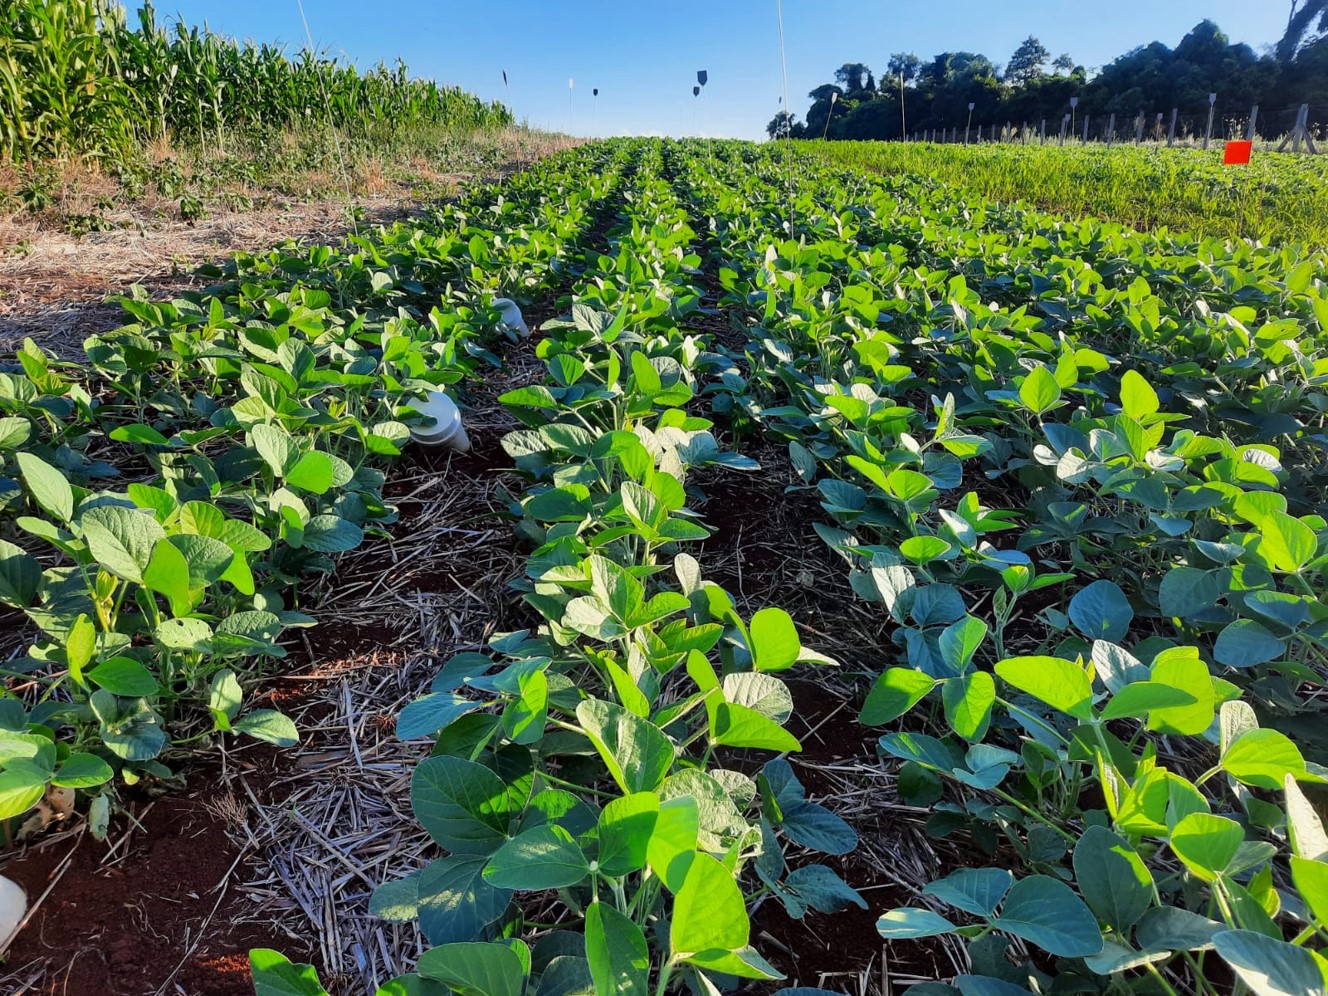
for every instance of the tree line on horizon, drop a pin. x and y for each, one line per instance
(1033, 86)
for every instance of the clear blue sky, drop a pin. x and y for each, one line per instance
(643, 54)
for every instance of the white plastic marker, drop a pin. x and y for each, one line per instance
(511, 315)
(447, 430)
(13, 907)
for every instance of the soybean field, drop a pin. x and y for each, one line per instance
(856, 585)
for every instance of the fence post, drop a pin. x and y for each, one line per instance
(1171, 130)
(1254, 124)
(1301, 131)
(1044, 131)
(1111, 129)
(1208, 132)
(1065, 123)
(1139, 128)
(1087, 118)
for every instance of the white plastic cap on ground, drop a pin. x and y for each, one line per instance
(446, 430)
(13, 907)
(511, 314)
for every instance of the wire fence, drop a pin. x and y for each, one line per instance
(1293, 128)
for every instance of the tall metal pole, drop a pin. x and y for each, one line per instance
(903, 118)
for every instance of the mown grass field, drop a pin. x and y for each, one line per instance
(1277, 198)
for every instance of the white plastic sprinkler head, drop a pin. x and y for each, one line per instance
(13, 907)
(511, 315)
(447, 430)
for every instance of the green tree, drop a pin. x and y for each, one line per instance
(1027, 62)
(852, 77)
(782, 125)
(904, 64)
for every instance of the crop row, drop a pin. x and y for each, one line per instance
(160, 504)
(590, 755)
(1067, 461)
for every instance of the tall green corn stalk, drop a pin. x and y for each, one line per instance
(77, 80)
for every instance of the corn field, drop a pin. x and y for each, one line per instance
(77, 80)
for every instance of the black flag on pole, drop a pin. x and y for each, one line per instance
(702, 76)
(696, 91)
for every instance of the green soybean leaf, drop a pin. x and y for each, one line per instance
(974, 890)
(1137, 396)
(427, 715)
(820, 888)
(20, 576)
(142, 434)
(1039, 391)
(331, 534)
(122, 539)
(275, 446)
(672, 843)
(1286, 542)
(775, 643)
(276, 975)
(1169, 928)
(1181, 668)
(80, 646)
(1311, 878)
(123, 676)
(1263, 758)
(1046, 912)
(270, 726)
(910, 922)
(312, 472)
(47, 486)
(617, 952)
(462, 805)
(14, 432)
(638, 754)
(1112, 878)
(968, 701)
(736, 725)
(544, 857)
(454, 900)
(184, 634)
(814, 826)
(1186, 591)
(1139, 698)
(1059, 683)
(82, 770)
(1271, 967)
(1245, 643)
(708, 911)
(22, 784)
(625, 827)
(167, 572)
(959, 642)
(1102, 612)
(895, 692)
(474, 968)
(1207, 844)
